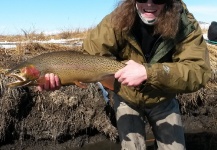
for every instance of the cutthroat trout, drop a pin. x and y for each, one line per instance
(70, 66)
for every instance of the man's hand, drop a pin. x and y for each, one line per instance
(133, 74)
(52, 83)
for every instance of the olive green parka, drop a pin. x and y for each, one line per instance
(179, 65)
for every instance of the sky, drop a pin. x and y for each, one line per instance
(50, 16)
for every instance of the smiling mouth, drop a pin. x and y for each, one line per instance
(149, 11)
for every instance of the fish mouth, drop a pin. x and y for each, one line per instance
(20, 82)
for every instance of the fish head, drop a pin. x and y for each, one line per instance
(25, 75)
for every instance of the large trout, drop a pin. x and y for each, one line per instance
(71, 67)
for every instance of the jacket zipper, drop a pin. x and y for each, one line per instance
(150, 55)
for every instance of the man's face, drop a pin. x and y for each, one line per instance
(149, 10)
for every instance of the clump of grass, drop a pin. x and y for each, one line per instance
(68, 34)
(33, 35)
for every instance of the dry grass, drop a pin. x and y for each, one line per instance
(204, 30)
(213, 62)
(213, 55)
(68, 34)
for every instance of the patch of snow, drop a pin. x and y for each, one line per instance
(70, 42)
(204, 25)
(8, 46)
(205, 36)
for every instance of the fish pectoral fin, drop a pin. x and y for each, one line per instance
(80, 84)
(108, 82)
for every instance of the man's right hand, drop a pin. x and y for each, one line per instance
(52, 82)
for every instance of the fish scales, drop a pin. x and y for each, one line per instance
(77, 64)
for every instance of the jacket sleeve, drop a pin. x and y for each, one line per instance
(190, 69)
(101, 40)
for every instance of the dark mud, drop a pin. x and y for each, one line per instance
(79, 119)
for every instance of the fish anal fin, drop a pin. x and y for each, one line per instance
(108, 82)
(80, 84)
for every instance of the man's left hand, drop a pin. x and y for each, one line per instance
(133, 74)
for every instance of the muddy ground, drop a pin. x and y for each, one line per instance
(75, 118)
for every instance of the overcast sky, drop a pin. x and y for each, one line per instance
(61, 15)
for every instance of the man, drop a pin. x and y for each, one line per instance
(165, 54)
